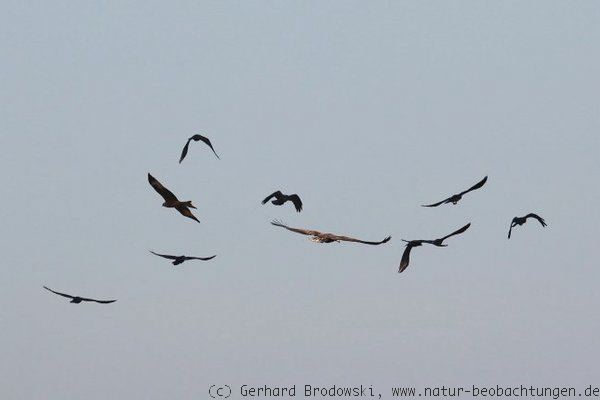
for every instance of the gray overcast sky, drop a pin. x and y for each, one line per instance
(367, 110)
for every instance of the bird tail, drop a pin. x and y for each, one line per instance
(188, 204)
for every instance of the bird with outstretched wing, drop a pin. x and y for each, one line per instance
(454, 199)
(196, 138)
(280, 199)
(439, 242)
(78, 299)
(518, 221)
(321, 237)
(171, 200)
(180, 259)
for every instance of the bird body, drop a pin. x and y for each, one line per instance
(518, 221)
(171, 201)
(321, 237)
(279, 199)
(454, 199)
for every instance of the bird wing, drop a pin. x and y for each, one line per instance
(269, 197)
(405, 258)
(294, 198)
(297, 230)
(438, 203)
(98, 301)
(540, 219)
(164, 255)
(207, 141)
(200, 258)
(183, 210)
(350, 239)
(184, 151)
(475, 186)
(68, 296)
(512, 223)
(457, 232)
(163, 191)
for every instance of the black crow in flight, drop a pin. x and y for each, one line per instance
(77, 299)
(196, 138)
(455, 198)
(280, 199)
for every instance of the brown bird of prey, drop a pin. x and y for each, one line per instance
(521, 220)
(179, 259)
(196, 138)
(456, 197)
(171, 200)
(320, 237)
(416, 243)
(77, 299)
(280, 199)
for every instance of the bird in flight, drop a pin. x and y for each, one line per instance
(171, 200)
(196, 138)
(280, 199)
(320, 237)
(455, 198)
(521, 220)
(77, 299)
(416, 243)
(439, 242)
(406, 255)
(179, 259)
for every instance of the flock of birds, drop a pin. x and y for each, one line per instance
(278, 198)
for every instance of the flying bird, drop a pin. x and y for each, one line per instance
(455, 198)
(280, 199)
(196, 138)
(77, 299)
(406, 255)
(171, 200)
(439, 242)
(320, 237)
(521, 220)
(179, 259)
(416, 243)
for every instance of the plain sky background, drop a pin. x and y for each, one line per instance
(367, 110)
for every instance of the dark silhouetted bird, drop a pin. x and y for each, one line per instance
(521, 220)
(455, 198)
(320, 237)
(196, 138)
(171, 200)
(77, 299)
(280, 199)
(406, 255)
(438, 242)
(416, 243)
(179, 259)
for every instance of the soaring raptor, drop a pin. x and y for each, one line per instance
(320, 237)
(171, 200)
